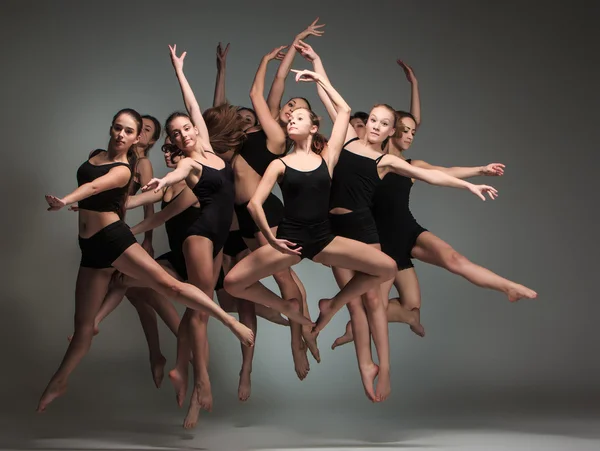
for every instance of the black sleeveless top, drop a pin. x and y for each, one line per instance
(355, 179)
(391, 203)
(255, 152)
(110, 200)
(306, 194)
(215, 187)
(178, 225)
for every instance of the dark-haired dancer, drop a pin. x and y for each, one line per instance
(107, 244)
(266, 142)
(359, 122)
(402, 238)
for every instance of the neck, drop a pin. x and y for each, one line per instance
(140, 152)
(303, 145)
(114, 154)
(373, 146)
(394, 150)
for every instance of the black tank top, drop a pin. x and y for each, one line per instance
(255, 152)
(215, 187)
(391, 203)
(110, 200)
(306, 194)
(178, 225)
(354, 180)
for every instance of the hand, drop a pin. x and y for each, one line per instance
(54, 203)
(276, 53)
(480, 190)
(493, 169)
(156, 184)
(285, 246)
(147, 246)
(306, 75)
(177, 60)
(306, 50)
(74, 207)
(313, 29)
(408, 71)
(222, 56)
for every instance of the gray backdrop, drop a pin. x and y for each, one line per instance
(509, 82)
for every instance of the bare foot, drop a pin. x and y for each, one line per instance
(310, 340)
(271, 315)
(300, 362)
(204, 395)
(243, 333)
(415, 323)
(157, 366)
(517, 291)
(244, 385)
(418, 329)
(346, 338)
(191, 419)
(384, 387)
(96, 330)
(368, 376)
(53, 391)
(291, 309)
(325, 315)
(180, 383)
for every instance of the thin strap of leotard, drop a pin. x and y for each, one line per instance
(350, 141)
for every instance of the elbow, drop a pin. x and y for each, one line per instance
(253, 207)
(345, 108)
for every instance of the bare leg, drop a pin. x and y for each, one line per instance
(242, 281)
(90, 290)
(431, 249)
(358, 317)
(409, 293)
(247, 317)
(371, 267)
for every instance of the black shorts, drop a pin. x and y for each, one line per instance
(213, 223)
(399, 246)
(234, 244)
(312, 237)
(105, 246)
(177, 261)
(356, 225)
(273, 211)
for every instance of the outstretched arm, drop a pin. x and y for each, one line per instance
(191, 104)
(186, 199)
(415, 101)
(117, 177)
(397, 165)
(183, 169)
(341, 122)
(144, 167)
(278, 86)
(492, 169)
(275, 135)
(146, 198)
(220, 98)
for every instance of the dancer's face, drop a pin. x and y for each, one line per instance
(405, 133)
(291, 105)
(299, 125)
(183, 133)
(359, 127)
(124, 133)
(248, 118)
(380, 125)
(171, 153)
(147, 133)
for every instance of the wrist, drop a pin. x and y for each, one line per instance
(481, 170)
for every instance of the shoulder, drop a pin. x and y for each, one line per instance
(143, 163)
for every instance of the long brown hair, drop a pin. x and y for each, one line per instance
(225, 128)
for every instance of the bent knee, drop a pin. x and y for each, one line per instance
(386, 268)
(232, 283)
(371, 299)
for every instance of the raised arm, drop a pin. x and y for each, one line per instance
(391, 163)
(275, 135)
(186, 199)
(341, 123)
(183, 169)
(191, 104)
(220, 98)
(310, 55)
(117, 177)
(492, 169)
(278, 86)
(415, 101)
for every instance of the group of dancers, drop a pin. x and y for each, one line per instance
(345, 205)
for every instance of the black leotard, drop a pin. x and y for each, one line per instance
(306, 202)
(355, 179)
(255, 152)
(215, 192)
(398, 229)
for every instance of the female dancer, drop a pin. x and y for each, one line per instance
(261, 148)
(305, 178)
(359, 122)
(403, 238)
(107, 243)
(360, 169)
(211, 180)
